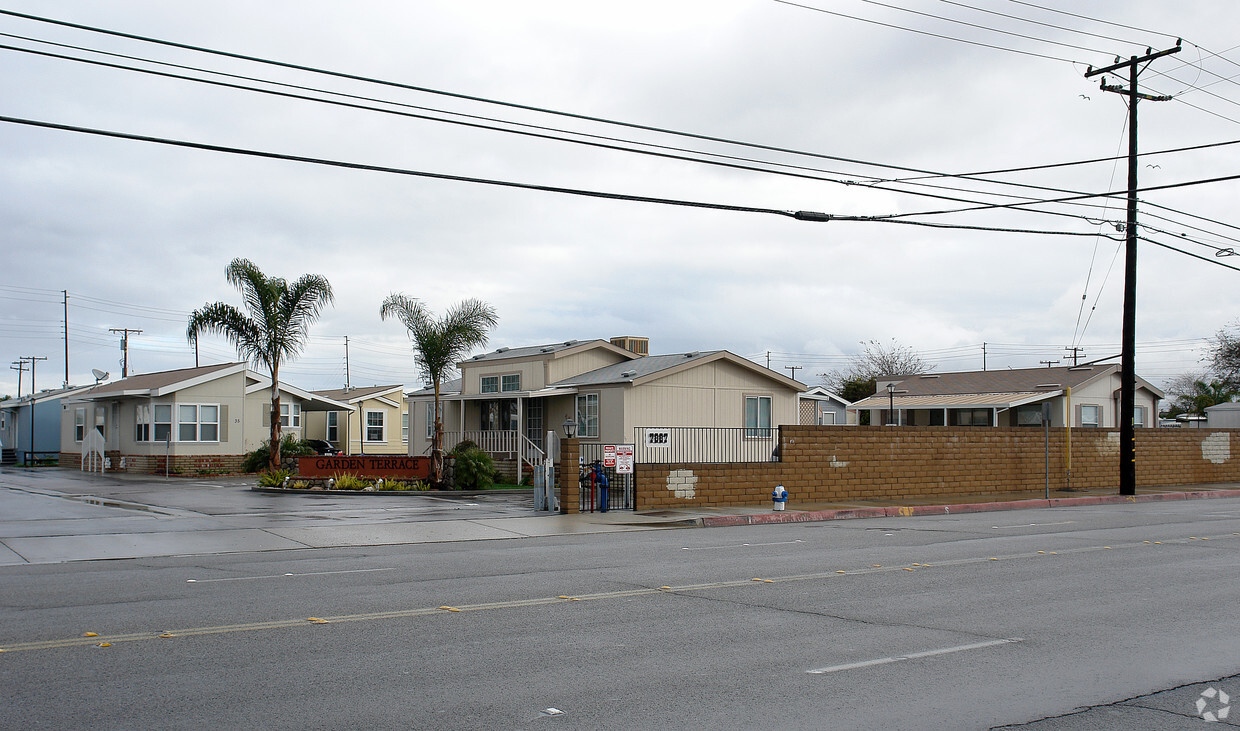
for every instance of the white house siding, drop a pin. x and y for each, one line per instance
(712, 394)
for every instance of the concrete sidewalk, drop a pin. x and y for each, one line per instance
(49, 515)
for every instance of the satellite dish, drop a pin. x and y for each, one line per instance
(99, 375)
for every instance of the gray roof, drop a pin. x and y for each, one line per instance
(356, 393)
(158, 380)
(631, 370)
(447, 387)
(538, 350)
(1020, 380)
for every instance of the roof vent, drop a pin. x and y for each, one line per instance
(570, 342)
(929, 375)
(693, 354)
(628, 374)
(502, 350)
(547, 349)
(1047, 385)
(480, 356)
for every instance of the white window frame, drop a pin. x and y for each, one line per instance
(758, 430)
(504, 382)
(204, 429)
(587, 423)
(1097, 422)
(166, 424)
(404, 428)
(367, 426)
(484, 383)
(1138, 417)
(430, 420)
(290, 415)
(333, 426)
(79, 424)
(142, 422)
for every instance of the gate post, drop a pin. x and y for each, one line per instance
(567, 470)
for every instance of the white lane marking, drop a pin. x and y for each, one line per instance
(911, 656)
(740, 545)
(1034, 525)
(281, 576)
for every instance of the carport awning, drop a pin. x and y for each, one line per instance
(954, 401)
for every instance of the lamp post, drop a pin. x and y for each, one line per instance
(891, 404)
(570, 427)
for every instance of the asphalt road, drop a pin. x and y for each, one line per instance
(1092, 617)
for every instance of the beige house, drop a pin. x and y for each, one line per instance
(1080, 396)
(192, 420)
(507, 400)
(377, 421)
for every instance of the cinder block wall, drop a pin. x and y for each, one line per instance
(185, 465)
(834, 464)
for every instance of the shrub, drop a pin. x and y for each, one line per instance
(475, 470)
(398, 486)
(274, 478)
(349, 481)
(290, 446)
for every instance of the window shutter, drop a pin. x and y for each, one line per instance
(267, 417)
(223, 423)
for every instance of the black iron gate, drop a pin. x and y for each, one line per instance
(620, 485)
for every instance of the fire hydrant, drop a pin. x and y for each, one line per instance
(780, 497)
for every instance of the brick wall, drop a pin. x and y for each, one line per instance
(184, 465)
(566, 474)
(838, 464)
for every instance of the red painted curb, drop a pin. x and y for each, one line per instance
(793, 516)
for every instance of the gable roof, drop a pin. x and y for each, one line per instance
(50, 394)
(821, 393)
(359, 394)
(995, 389)
(651, 367)
(447, 388)
(550, 351)
(161, 382)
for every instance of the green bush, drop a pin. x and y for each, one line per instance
(348, 481)
(274, 478)
(290, 446)
(475, 470)
(398, 486)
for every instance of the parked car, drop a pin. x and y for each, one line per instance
(322, 448)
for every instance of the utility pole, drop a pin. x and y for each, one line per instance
(66, 337)
(794, 370)
(124, 331)
(1048, 363)
(1128, 350)
(20, 367)
(30, 449)
(347, 384)
(1075, 351)
(983, 356)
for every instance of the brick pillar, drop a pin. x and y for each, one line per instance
(566, 473)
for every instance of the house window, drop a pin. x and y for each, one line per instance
(101, 419)
(333, 426)
(587, 415)
(758, 416)
(79, 424)
(163, 422)
(1091, 415)
(489, 384)
(1029, 415)
(198, 423)
(404, 428)
(290, 415)
(374, 426)
(511, 382)
(1138, 416)
(142, 423)
(430, 420)
(971, 417)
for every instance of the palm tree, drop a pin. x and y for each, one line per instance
(439, 345)
(273, 329)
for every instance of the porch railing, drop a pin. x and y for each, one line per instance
(510, 444)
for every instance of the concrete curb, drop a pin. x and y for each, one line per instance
(715, 521)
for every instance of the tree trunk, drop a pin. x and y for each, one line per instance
(437, 442)
(273, 462)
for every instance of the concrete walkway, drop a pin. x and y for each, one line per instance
(53, 515)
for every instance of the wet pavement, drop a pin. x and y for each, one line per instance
(53, 515)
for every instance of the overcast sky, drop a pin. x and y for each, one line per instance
(139, 233)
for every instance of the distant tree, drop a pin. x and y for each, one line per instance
(875, 361)
(438, 345)
(855, 389)
(273, 328)
(1191, 393)
(5, 397)
(1224, 356)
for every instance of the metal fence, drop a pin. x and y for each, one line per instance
(619, 491)
(705, 444)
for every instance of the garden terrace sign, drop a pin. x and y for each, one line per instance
(418, 468)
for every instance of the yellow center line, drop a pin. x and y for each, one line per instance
(81, 641)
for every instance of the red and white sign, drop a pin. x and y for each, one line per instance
(624, 459)
(609, 455)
